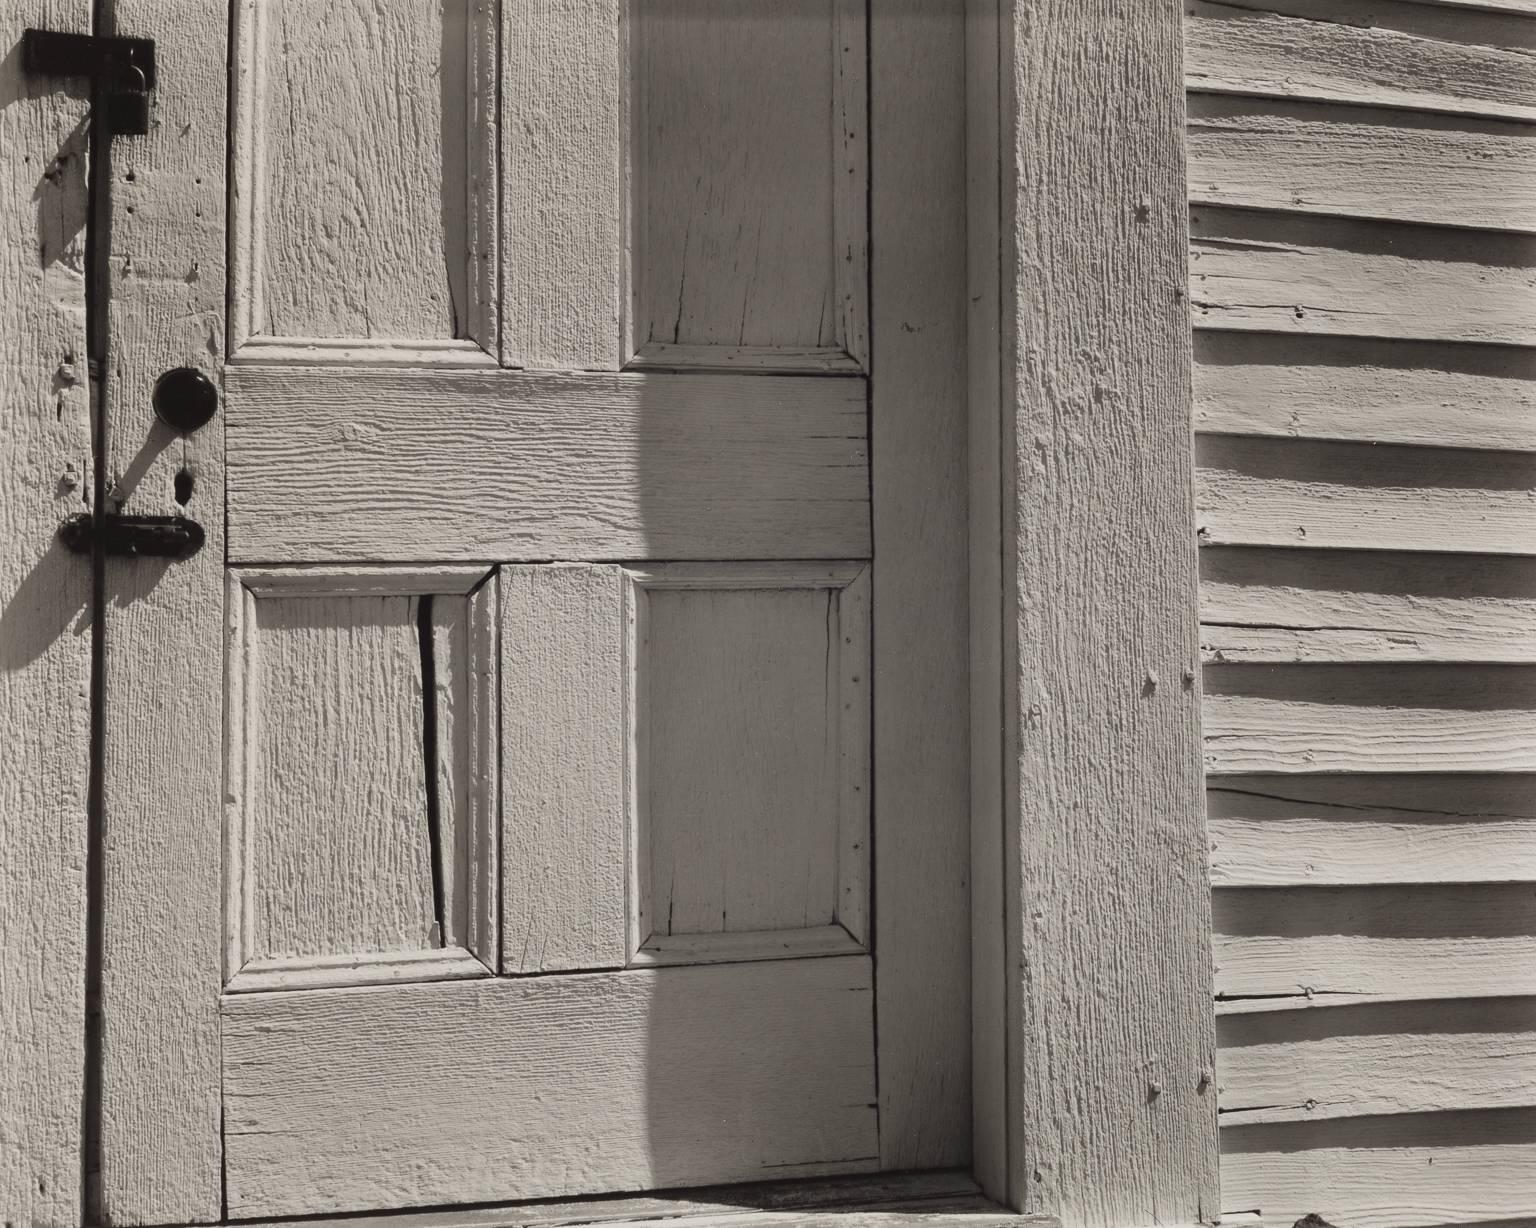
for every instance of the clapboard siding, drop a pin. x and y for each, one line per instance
(1339, 830)
(1363, 284)
(1395, 165)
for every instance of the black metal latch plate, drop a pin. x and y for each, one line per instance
(125, 66)
(167, 537)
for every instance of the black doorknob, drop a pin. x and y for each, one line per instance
(185, 399)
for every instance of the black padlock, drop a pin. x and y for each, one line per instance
(130, 104)
(185, 399)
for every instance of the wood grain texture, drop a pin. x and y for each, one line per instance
(339, 846)
(1338, 606)
(1443, 395)
(1391, 942)
(919, 600)
(1369, 718)
(1377, 1059)
(1362, 496)
(1357, 51)
(45, 475)
(949, 1192)
(161, 785)
(561, 147)
(386, 465)
(751, 720)
(565, 869)
(366, 170)
(1371, 828)
(1420, 1171)
(473, 1091)
(750, 165)
(1114, 1113)
(1272, 272)
(1400, 167)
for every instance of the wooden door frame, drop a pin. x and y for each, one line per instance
(1094, 1030)
(1092, 1041)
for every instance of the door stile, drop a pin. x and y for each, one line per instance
(918, 459)
(161, 788)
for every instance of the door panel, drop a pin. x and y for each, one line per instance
(360, 844)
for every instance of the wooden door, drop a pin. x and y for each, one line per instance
(585, 685)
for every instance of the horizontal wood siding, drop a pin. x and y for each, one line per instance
(1363, 285)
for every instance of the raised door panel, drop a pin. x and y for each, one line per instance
(365, 181)
(361, 839)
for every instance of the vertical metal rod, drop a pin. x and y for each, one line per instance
(98, 299)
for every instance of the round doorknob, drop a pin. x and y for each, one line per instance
(185, 399)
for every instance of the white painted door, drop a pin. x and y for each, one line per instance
(586, 686)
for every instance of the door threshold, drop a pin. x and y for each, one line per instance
(898, 1200)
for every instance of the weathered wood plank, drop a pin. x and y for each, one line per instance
(1278, 606)
(564, 74)
(339, 464)
(1360, 496)
(162, 783)
(1447, 395)
(1398, 942)
(1369, 718)
(919, 603)
(45, 634)
(1416, 1171)
(1275, 831)
(1285, 273)
(517, 1088)
(1374, 54)
(1419, 1057)
(1113, 1119)
(1360, 162)
(565, 870)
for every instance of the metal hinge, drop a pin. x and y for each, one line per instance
(166, 537)
(124, 66)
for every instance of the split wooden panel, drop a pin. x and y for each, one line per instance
(380, 465)
(1396, 166)
(749, 179)
(1393, 942)
(45, 595)
(750, 717)
(1387, 54)
(564, 872)
(361, 840)
(1420, 1057)
(364, 156)
(1276, 606)
(1415, 1171)
(1409, 392)
(1369, 718)
(520, 1088)
(1277, 272)
(1283, 831)
(1361, 496)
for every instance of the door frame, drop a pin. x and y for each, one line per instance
(1066, 342)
